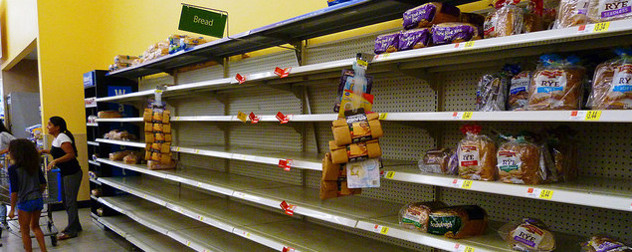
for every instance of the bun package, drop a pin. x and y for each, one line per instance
(429, 14)
(528, 235)
(612, 83)
(476, 155)
(521, 162)
(601, 243)
(609, 10)
(458, 221)
(448, 33)
(417, 215)
(518, 91)
(556, 84)
(491, 94)
(507, 20)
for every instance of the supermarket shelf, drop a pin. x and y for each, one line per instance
(276, 231)
(142, 237)
(330, 20)
(309, 161)
(94, 197)
(94, 163)
(92, 124)
(127, 119)
(95, 181)
(344, 211)
(594, 192)
(93, 143)
(135, 96)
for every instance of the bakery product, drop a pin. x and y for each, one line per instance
(458, 221)
(602, 243)
(476, 155)
(612, 83)
(572, 13)
(354, 152)
(529, 235)
(414, 39)
(556, 85)
(608, 10)
(491, 92)
(518, 93)
(386, 43)
(519, 162)
(356, 128)
(454, 32)
(416, 215)
(435, 161)
(109, 114)
(429, 14)
(505, 21)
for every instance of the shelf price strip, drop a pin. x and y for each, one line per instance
(390, 175)
(283, 119)
(538, 193)
(282, 72)
(240, 78)
(590, 28)
(288, 249)
(286, 164)
(253, 118)
(590, 115)
(461, 183)
(383, 116)
(462, 115)
(288, 208)
(466, 45)
(380, 229)
(461, 248)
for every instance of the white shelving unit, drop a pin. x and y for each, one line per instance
(424, 96)
(141, 236)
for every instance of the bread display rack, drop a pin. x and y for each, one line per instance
(229, 179)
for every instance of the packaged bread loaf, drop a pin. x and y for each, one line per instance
(386, 43)
(602, 243)
(453, 32)
(109, 114)
(355, 151)
(532, 19)
(572, 13)
(436, 161)
(562, 148)
(477, 20)
(414, 39)
(609, 10)
(556, 84)
(416, 215)
(476, 155)
(528, 235)
(519, 162)
(458, 221)
(119, 155)
(507, 20)
(518, 92)
(612, 83)
(132, 158)
(357, 127)
(429, 14)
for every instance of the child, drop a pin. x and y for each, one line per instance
(27, 183)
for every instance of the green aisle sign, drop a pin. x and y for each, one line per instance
(202, 21)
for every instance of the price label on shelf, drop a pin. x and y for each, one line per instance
(380, 229)
(462, 115)
(282, 72)
(538, 193)
(390, 175)
(462, 183)
(288, 249)
(593, 115)
(468, 45)
(239, 195)
(240, 78)
(601, 27)
(253, 118)
(590, 28)
(383, 116)
(463, 248)
(288, 208)
(244, 233)
(242, 116)
(200, 218)
(286, 164)
(382, 56)
(188, 244)
(282, 118)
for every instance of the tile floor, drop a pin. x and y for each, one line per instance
(92, 238)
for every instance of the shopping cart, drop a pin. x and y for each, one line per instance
(50, 197)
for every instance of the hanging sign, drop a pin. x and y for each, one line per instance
(202, 21)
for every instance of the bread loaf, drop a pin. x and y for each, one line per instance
(601, 243)
(458, 221)
(416, 215)
(518, 92)
(147, 114)
(609, 10)
(354, 152)
(612, 85)
(414, 39)
(429, 14)
(119, 155)
(506, 21)
(386, 43)
(109, 114)
(572, 13)
(356, 128)
(447, 33)
(556, 86)
(519, 163)
(531, 235)
(476, 155)
(435, 161)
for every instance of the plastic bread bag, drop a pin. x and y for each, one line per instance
(476, 155)
(533, 20)
(414, 39)
(347, 83)
(453, 32)
(429, 14)
(529, 235)
(387, 43)
(436, 161)
(458, 221)
(562, 152)
(572, 13)
(612, 83)
(602, 243)
(491, 94)
(609, 10)
(556, 84)
(518, 91)
(519, 162)
(507, 20)
(416, 215)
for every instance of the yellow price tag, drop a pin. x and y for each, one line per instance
(363, 63)
(177, 149)
(593, 115)
(200, 218)
(469, 44)
(383, 116)
(384, 230)
(242, 117)
(546, 194)
(390, 175)
(601, 27)
(468, 249)
(467, 184)
(158, 91)
(197, 151)
(467, 115)
(188, 244)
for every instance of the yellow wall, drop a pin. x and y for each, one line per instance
(19, 23)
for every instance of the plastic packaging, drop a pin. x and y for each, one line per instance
(533, 20)
(491, 94)
(556, 84)
(518, 91)
(436, 161)
(609, 10)
(529, 235)
(453, 32)
(346, 84)
(458, 221)
(572, 13)
(429, 14)
(414, 39)
(563, 152)
(612, 83)
(602, 243)
(507, 20)
(416, 215)
(476, 155)
(519, 162)
(386, 43)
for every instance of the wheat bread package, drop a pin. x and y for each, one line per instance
(612, 83)
(572, 13)
(414, 39)
(454, 32)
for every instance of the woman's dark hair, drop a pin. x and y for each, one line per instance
(4, 128)
(25, 155)
(63, 128)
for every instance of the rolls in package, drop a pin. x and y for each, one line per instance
(429, 14)
(416, 215)
(556, 84)
(458, 221)
(519, 162)
(601, 243)
(572, 13)
(386, 43)
(507, 20)
(414, 39)
(518, 91)
(609, 10)
(612, 83)
(528, 235)
(454, 32)
(476, 155)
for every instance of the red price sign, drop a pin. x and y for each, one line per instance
(288, 208)
(240, 78)
(282, 73)
(288, 249)
(282, 118)
(253, 118)
(286, 164)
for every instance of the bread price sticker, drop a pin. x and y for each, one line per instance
(380, 229)
(463, 184)
(590, 28)
(462, 115)
(390, 175)
(462, 248)
(538, 193)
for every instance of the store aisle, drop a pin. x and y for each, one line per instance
(92, 238)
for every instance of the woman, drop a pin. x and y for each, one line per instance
(27, 185)
(64, 152)
(5, 138)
